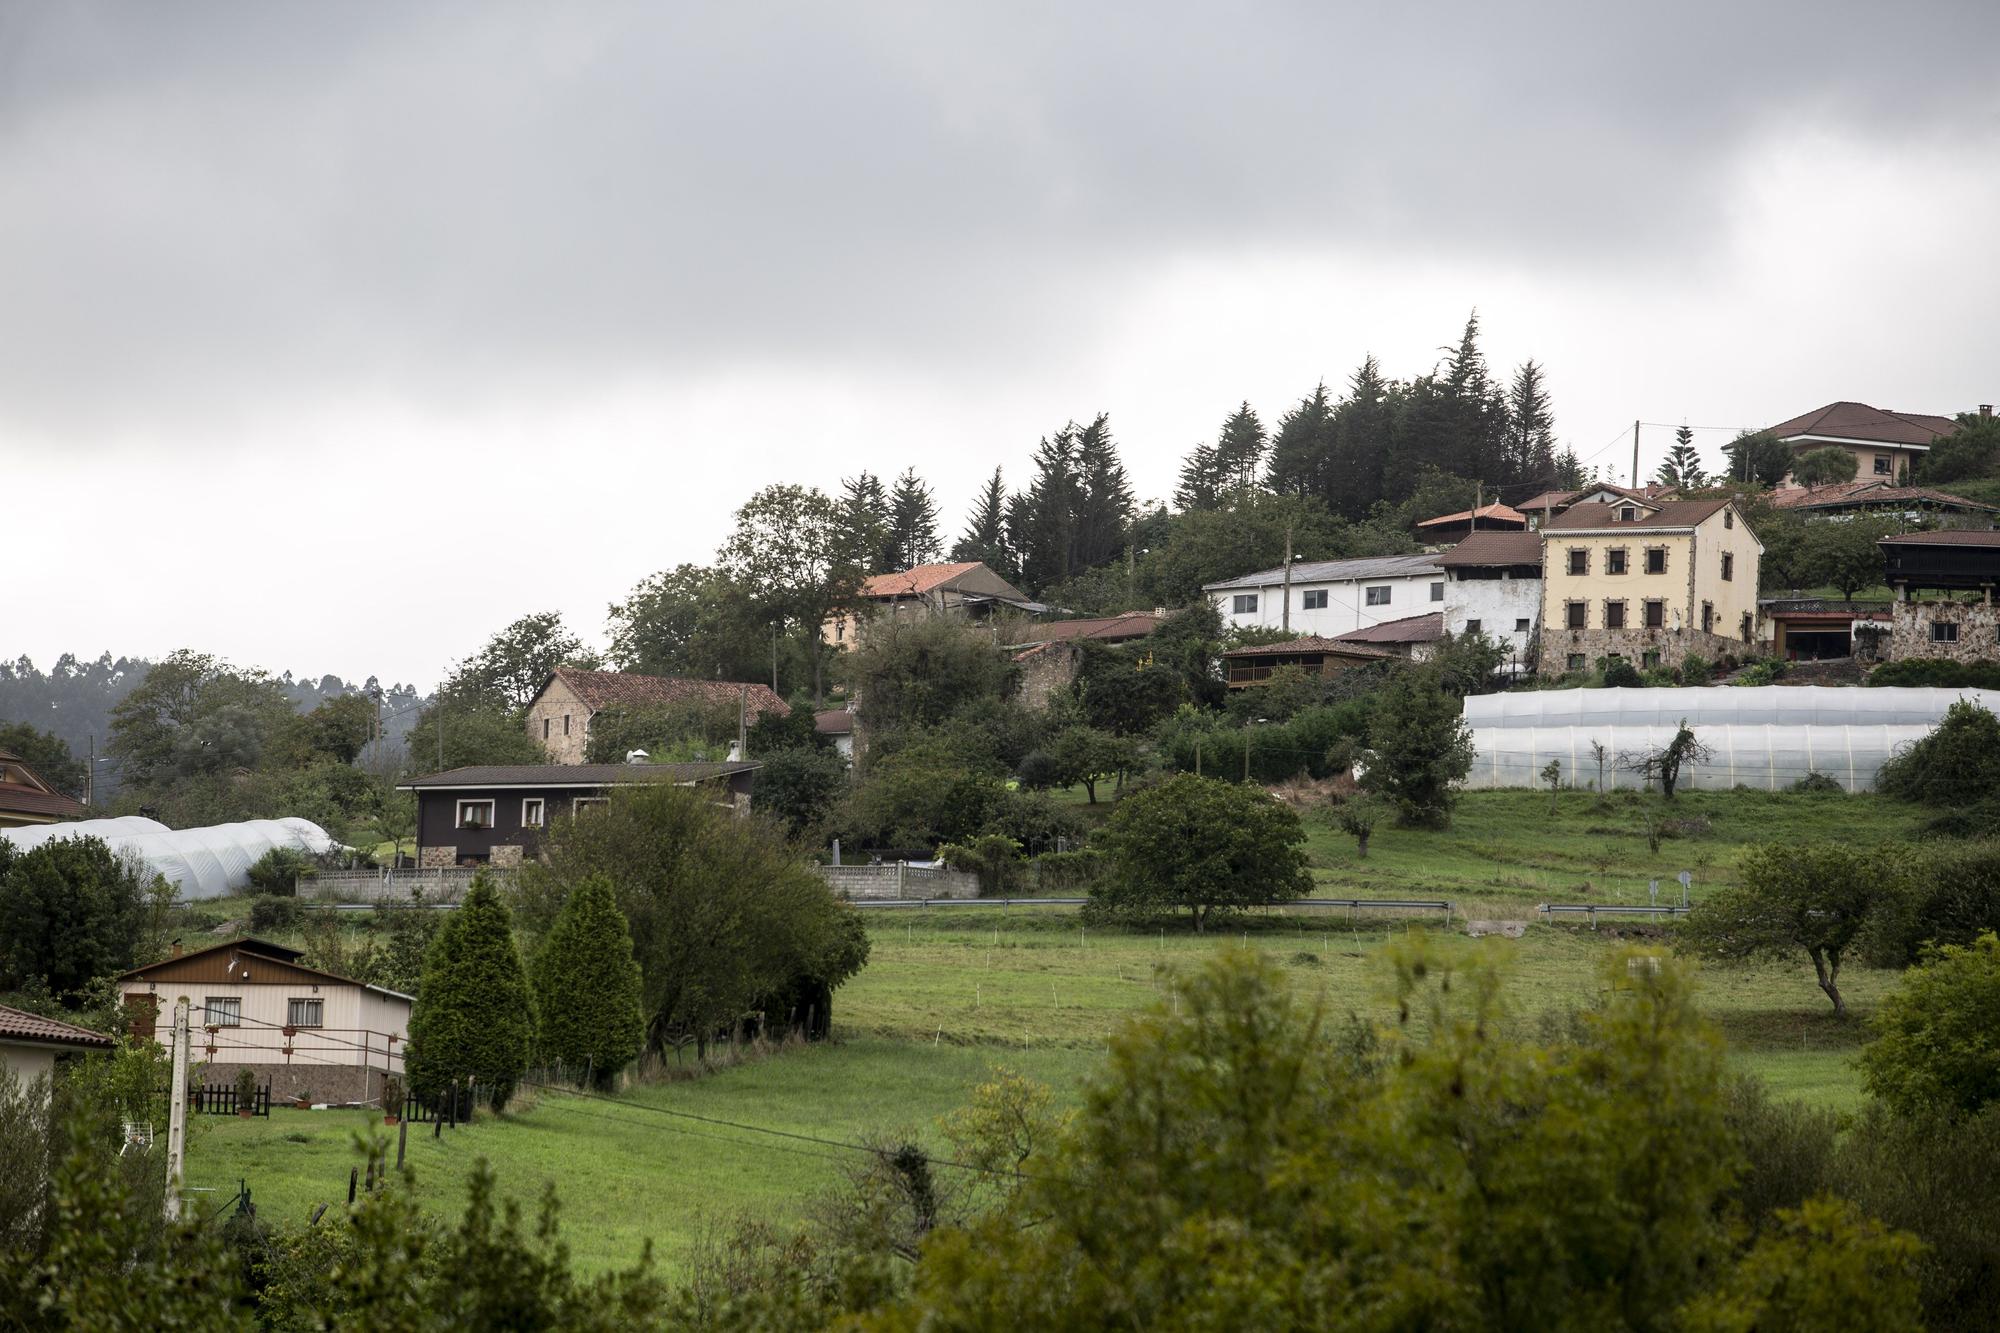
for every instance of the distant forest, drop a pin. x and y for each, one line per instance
(73, 701)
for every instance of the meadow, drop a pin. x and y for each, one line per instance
(950, 994)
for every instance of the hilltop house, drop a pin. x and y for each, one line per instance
(1885, 444)
(495, 814)
(1648, 581)
(1963, 624)
(966, 589)
(27, 798)
(31, 1044)
(559, 715)
(1326, 598)
(1537, 509)
(254, 1005)
(1494, 587)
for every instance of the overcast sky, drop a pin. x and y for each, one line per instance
(333, 337)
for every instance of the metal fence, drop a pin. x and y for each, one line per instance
(221, 1099)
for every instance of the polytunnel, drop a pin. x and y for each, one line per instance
(203, 862)
(1784, 705)
(1765, 757)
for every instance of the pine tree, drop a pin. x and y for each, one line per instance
(1200, 486)
(1303, 453)
(1364, 430)
(1681, 468)
(1531, 423)
(913, 535)
(1041, 522)
(587, 986)
(864, 520)
(1569, 473)
(474, 1017)
(1104, 498)
(985, 536)
(1240, 449)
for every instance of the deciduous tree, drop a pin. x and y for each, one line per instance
(1200, 845)
(1420, 747)
(1792, 898)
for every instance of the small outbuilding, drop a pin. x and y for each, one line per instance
(30, 1045)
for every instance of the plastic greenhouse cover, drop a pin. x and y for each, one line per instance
(1791, 705)
(1765, 757)
(204, 862)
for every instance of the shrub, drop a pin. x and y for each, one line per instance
(1696, 670)
(993, 857)
(475, 1016)
(279, 870)
(1201, 845)
(1935, 1045)
(587, 986)
(1619, 673)
(1957, 764)
(1039, 771)
(1818, 784)
(269, 912)
(800, 786)
(70, 911)
(1825, 1265)
(1939, 671)
(246, 1089)
(1421, 749)
(1944, 893)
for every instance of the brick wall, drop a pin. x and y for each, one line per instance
(1977, 623)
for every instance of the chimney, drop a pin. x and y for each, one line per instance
(177, 949)
(1986, 409)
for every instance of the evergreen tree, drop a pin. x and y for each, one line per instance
(913, 535)
(1240, 449)
(1758, 457)
(1364, 429)
(985, 536)
(1472, 416)
(1041, 522)
(474, 1017)
(1200, 486)
(1303, 461)
(1569, 473)
(587, 986)
(1531, 448)
(864, 523)
(1681, 468)
(1104, 499)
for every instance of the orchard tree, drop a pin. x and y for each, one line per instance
(474, 1016)
(1421, 748)
(1201, 845)
(587, 986)
(1846, 555)
(1666, 764)
(1088, 756)
(1793, 898)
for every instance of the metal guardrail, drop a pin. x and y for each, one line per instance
(1591, 910)
(1352, 904)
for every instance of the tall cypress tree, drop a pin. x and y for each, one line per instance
(985, 536)
(1531, 424)
(1302, 455)
(913, 516)
(864, 519)
(1240, 449)
(1104, 498)
(587, 986)
(1364, 427)
(474, 1017)
(1042, 520)
(1200, 487)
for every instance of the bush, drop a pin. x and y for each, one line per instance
(1039, 771)
(1944, 893)
(1939, 671)
(1421, 749)
(279, 870)
(1957, 764)
(993, 857)
(1696, 670)
(1818, 784)
(800, 787)
(1764, 671)
(1201, 845)
(269, 912)
(1934, 1047)
(1619, 673)
(70, 911)
(246, 1089)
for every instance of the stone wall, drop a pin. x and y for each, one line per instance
(1633, 644)
(895, 881)
(438, 858)
(1045, 672)
(546, 714)
(1978, 625)
(506, 855)
(315, 1082)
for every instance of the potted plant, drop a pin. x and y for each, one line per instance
(246, 1093)
(392, 1100)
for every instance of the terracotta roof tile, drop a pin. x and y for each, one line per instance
(22, 800)
(611, 689)
(1410, 629)
(1311, 643)
(915, 581)
(834, 722)
(1859, 421)
(1494, 510)
(1667, 514)
(1845, 493)
(20, 1025)
(1495, 548)
(1131, 625)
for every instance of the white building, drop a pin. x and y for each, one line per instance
(1494, 587)
(31, 1044)
(1332, 597)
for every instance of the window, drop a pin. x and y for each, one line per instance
(305, 1013)
(531, 812)
(1708, 617)
(1437, 593)
(565, 724)
(1728, 566)
(1521, 625)
(1579, 561)
(224, 1011)
(1944, 631)
(1883, 465)
(1614, 560)
(1574, 614)
(1472, 627)
(1614, 615)
(1243, 604)
(1728, 518)
(1625, 514)
(1656, 559)
(1748, 627)
(1314, 600)
(583, 803)
(1380, 596)
(1577, 662)
(545, 728)
(1656, 613)
(475, 814)
(1650, 660)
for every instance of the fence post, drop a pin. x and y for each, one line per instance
(402, 1140)
(353, 1178)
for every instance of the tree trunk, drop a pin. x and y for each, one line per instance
(1090, 789)
(1361, 846)
(1828, 967)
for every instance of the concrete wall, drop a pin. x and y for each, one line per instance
(28, 1061)
(564, 740)
(1346, 606)
(1977, 623)
(891, 881)
(1498, 605)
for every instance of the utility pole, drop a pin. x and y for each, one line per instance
(1635, 455)
(90, 774)
(743, 723)
(1285, 621)
(177, 1109)
(440, 730)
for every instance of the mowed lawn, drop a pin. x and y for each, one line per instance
(949, 994)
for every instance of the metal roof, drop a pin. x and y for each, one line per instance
(574, 775)
(1336, 571)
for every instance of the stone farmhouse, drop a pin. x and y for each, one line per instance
(1959, 620)
(560, 714)
(965, 590)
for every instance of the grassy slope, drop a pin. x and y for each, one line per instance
(946, 995)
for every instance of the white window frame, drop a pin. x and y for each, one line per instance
(1370, 597)
(1243, 604)
(492, 814)
(540, 817)
(230, 1018)
(1313, 599)
(581, 803)
(312, 1004)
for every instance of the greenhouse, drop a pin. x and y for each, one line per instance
(203, 862)
(1792, 706)
(1764, 757)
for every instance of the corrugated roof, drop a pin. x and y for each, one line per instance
(1410, 629)
(20, 1025)
(1953, 537)
(1495, 548)
(1494, 510)
(1859, 421)
(1311, 643)
(611, 689)
(1336, 571)
(1666, 514)
(575, 775)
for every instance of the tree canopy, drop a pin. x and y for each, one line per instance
(1200, 845)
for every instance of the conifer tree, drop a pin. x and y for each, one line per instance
(1200, 486)
(913, 535)
(1570, 474)
(587, 986)
(474, 1017)
(1240, 449)
(985, 536)
(1041, 522)
(1531, 423)
(1364, 429)
(1104, 498)
(1302, 454)
(864, 521)
(1681, 467)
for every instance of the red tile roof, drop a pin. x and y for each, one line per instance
(1858, 421)
(1946, 537)
(1665, 514)
(1410, 629)
(1548, 500)
(1495, 548)
(915, 582)
(1107, 629)
(834, 722)
(1845, 494)
(608, 689)
(1494, 510)
(20, 1025)
(22, 800)
(1311, 643)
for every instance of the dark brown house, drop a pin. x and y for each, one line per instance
(495, 814)
(1244, 667)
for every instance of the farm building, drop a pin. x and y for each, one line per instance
(201, 862)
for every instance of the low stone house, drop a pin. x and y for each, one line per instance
(1959, 621)
(559, 716)
(253, 1005)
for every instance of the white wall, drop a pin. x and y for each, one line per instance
(355, 1024)
(28, 1061)
(1346, 604)
(1497, 604)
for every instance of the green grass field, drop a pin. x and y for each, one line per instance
(949, 994)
